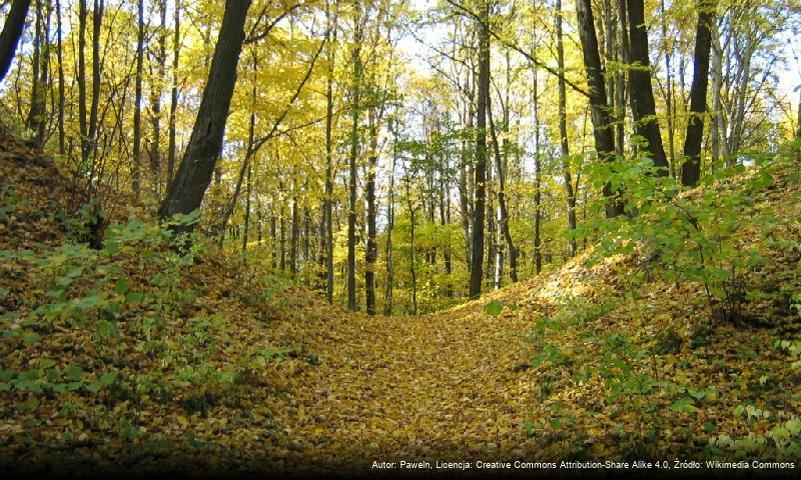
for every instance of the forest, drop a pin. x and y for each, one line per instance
(365, 236)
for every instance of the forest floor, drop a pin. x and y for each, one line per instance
(138, 361)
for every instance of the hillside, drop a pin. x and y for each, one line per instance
(135, 357)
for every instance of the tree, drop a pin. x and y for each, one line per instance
(599, 108)
(137, 127)
(176, 49)
(186, 191)
(12, 31)
(563, 143)
(356, 60)
(641, 94)
(482, 100)
(691, 169)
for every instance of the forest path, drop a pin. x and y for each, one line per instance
(445, 386)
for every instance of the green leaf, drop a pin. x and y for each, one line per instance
(111, 247)
(74, 373)
(30, 337)
(696, 394)
(134, 298)
(108, 378)
(493, 308)
(684, 404)
(122, 286)
(45, 363)
(94, 387)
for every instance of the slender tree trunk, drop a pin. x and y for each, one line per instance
(602, 130)
(61, 93)
(97, 23)
(36, 117)
(137, 127)
(82, 14)
(718, 131)
(476, 273)
(155, 101)
(502, 207)
(251, 138)
(671, 122)
(691, 169)
(176, 50)
(12, 32)
(327, 250)
(537, 176)
(282, 220)
(194, 175)
(390, 225)
(621, 84)
(371, 253)
(247, 210)
(412, 253)
(295, 230)
(643, 106)
(798, 132)
(273, 233)
(354, 153)
(563, 143)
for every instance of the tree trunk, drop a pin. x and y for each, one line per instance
(504, 211)
(295, 230)
(97, 22)
(691, 169)
(477, 260)
(155, 101)
(176, 50)
(39, 60)
(354, 153)
(61, 93)
(247, 211)
(641, 93)
(82, 13)
(137, 126)
(537, 176)
(563, 143)
(12, 31)
(671, 122)
(718, 130)
(371, 254)
(599, 108)
(390, 225)
(412, 256)
(194, 174)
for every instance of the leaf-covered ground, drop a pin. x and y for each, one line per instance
(223, 366)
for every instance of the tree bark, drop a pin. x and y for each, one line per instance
(61, 93)
(12, 32)
(97, 22)
(176, 50)
(563, 143)
(194, 174)
(354, 153)
(599, 108)
(643, 106)
(371, 253)
(137, 126)
(82, 14)
(477, 260)
(691, 169)
(155, 101)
